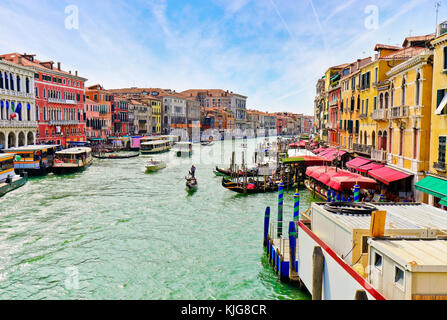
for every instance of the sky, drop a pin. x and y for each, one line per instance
(272, 51)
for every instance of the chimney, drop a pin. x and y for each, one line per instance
(76, 73)
(69, 72)
(59, 66)
(376, 56)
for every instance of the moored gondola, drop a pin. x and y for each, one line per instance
(251, 188)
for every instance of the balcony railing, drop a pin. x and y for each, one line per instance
(62, 101)
(63, 122)
(380, 114)
(361, 148)
(379, 155)
(17, 124)
(363, 116)
(16, 93)
(439, 166)
(399, 112)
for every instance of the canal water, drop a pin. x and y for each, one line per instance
(114, 232)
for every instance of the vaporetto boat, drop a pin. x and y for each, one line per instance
(34, 160)
(153, 147)
(72, 160)
(9, 181)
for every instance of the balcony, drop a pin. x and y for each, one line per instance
(62, 101)
(363, 116)
(17, 124)
(380, 114)
(361, 148)
(399, 112)
(63, 122)
(379, 155)
(16, 93)
(439, 166)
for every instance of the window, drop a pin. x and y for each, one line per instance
(37, 92)
(44, 93)
(375, 103)
(378, 261)
(376, 76)
(418, 89)
(399, 276)
(442, 149)
(403, 92)
(445, 58)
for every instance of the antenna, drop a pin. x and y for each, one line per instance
(437, 6)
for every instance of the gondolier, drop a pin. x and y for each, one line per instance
(193, 171)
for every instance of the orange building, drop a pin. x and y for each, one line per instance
(100, 96)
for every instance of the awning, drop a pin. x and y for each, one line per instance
(341, 183)
(318, 150)
(357, 162)
(442, 105)
(433, 186)
(387, 175)
(369, 167)
(331, 156)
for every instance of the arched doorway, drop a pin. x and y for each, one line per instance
(374, 139)
(384, 140)
(22, 141)
(379, 140)
(365, 139)
(30, 137)
(2, 140)
(11, 140)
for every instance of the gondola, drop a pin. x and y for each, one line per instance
(227, 173)
(191, 184)
(207, 143)
(115, 156)
(259, 187)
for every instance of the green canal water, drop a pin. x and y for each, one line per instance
(114, 232)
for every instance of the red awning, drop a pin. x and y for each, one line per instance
(293, 145)
(325, 152)
(369, 166)
(357, 162)
(387, 175)
(340, 183)
(302, 144)
(334, 154)
(328, 176)
(316, 172)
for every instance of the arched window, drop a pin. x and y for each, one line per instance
(27, 86)
(381, 101)
(11, 81)
(352, 104)
(373, 138)
(6, 81)
(418, 90)
(404, 89)
(28, 112)
(18, 83)
(392, 95)
(387, 98)
(358, 102)
(365, 139)
(1, 80)
(1, 110)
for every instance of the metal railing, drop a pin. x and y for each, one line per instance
(18, 124)
(16, 93)
(63, 122)
(62, 101)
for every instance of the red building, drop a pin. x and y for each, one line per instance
(59, 100)
(334, 116)
(103, 99)
(120, 117)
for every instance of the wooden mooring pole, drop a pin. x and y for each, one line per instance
(317, 273)
(266, 226)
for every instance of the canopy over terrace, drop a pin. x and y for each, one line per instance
(340, 179)
(357, 162)
(369, 167)
(387, 175)
(333, 154)
(435, 187)
(306, 160)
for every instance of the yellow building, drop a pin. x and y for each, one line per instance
(350, 107)
(410, 115)
(156, 114)
(435, 185)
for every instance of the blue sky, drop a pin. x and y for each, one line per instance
(272, 51)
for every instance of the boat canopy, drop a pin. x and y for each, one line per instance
(6, 156)
(74, 151)
(357, 162)
(388, 175)
(153, 143)
(307, 160)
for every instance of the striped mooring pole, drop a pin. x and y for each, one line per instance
(338, 197)
(266, 225)
(329, 196)
(382, 198)
(343, 199)
(280, 208)
(335, 196)
(292, 243)
(296, 207)
(356, 193)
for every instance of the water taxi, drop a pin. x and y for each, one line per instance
(172, 138)
(9, 181)
(157, 146)
(183, 149)
(155, 165)
(72, 160)
(34, 160)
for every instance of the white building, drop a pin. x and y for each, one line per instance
(18, 125)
